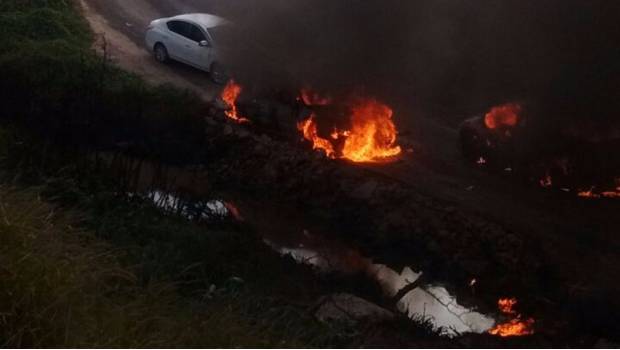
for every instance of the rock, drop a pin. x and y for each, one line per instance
(227, 129)
(349, 309)
(365, 191)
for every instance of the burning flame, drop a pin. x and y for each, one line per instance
(605, 194)
(546, 181)
(514, 327)
(229, 95)
(609, 193)
(506, 305)
(308, 128)
(373, 133)
(588, 194)
(503, 116)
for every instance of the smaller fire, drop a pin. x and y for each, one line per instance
(610, 193)
(588, 194)
(506, 305)
(504, 116)
(231, 92)
(481, 161)
(515, 326)
(546, 181)
(605, 194)
(308, 128)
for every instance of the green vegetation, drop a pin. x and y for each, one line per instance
(56, 85)
(63, 286)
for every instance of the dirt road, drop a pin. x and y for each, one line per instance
(119, 27)
(577, 237)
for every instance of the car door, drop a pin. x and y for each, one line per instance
(180, 45)
(201, 48)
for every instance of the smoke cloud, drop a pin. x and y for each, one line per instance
(441, 58)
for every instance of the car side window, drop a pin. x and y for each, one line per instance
(178, 27)
(196, 34)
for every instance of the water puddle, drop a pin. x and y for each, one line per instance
(425, 301)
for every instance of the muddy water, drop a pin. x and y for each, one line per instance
(304, 242)
(290, 232)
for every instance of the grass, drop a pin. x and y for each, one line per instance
(65, 287)
(61, 90)
(91, 266)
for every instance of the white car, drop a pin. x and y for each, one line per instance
(189, 39)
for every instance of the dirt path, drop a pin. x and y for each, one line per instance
(124, 51)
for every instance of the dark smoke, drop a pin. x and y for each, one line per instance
(441, 58)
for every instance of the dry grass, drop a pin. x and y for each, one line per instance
(62, 287)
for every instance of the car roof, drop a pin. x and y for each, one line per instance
(204, 19)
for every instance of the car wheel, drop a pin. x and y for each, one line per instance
(161, 53)
(218, 74)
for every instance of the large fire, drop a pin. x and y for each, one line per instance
(515, 326)
(373, 133)
(370, 138)
(230, 94)
(506, 115)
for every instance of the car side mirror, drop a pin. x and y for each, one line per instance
(203, 43)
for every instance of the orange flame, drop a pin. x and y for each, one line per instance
(605, 194)
(588, 194)
(506, 305)
(230, 94)
(308, 128)
(372, 136)
(373, 133)
(506, 115)
(514, 327)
